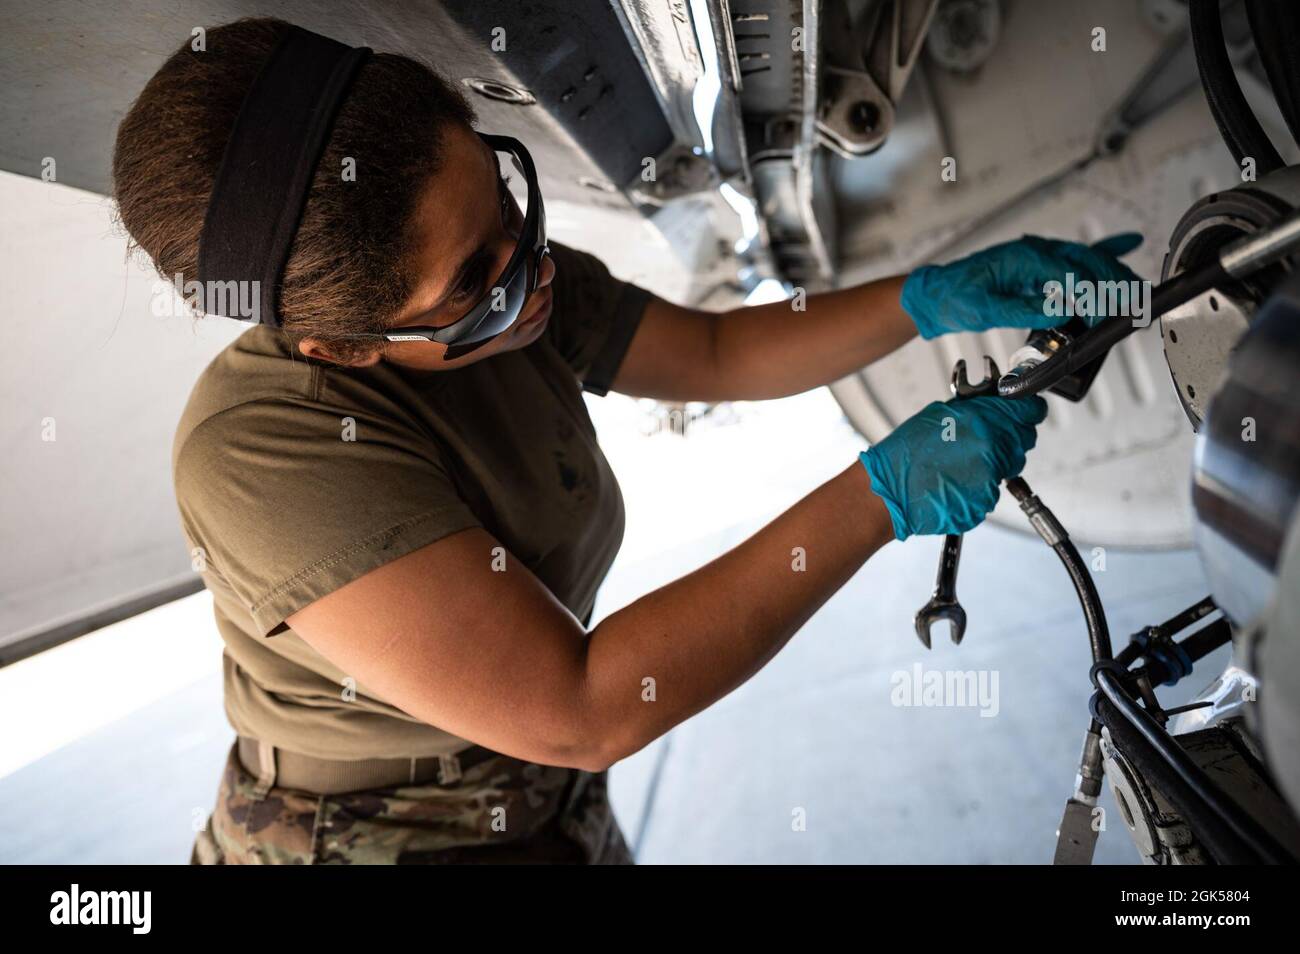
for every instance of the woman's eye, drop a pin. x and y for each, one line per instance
(507, 201)
(467, 289)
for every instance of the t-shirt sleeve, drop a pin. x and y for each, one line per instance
(593, 318)
(292, 501)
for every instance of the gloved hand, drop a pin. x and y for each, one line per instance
(940, 470)
(1002, 286)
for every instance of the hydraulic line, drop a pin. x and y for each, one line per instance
(1193, 786)
(1194, 613)
(1235, 261)
(1166, 296)
(1232, 835)
(1223, 843)
(1054, 535)
(1241, 131)
(1276, 29)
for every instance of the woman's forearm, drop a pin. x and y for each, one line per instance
(679, 649)
(772, 350)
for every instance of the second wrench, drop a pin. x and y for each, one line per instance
(943, 604)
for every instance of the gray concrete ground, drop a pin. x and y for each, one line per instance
(814, 736)
(111, 746)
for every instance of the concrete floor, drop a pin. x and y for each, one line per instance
(814, 736)
(809, 762)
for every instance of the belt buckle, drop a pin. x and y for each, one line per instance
(448, 769)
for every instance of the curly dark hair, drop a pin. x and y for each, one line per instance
(349, 268)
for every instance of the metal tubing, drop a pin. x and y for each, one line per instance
(1236, 260)
(1198, 783)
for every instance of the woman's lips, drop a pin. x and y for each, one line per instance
(542, 311)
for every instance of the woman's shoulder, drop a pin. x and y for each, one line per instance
(258, 366)
(260, 401)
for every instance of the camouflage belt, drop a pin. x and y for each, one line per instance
(273, 766)
(503, 811)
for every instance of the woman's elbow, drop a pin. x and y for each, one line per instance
(593, 744)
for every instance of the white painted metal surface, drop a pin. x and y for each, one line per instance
(92, 382)
(1115, 467)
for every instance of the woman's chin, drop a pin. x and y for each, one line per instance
(533, 330)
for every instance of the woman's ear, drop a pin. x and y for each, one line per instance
(315, 348)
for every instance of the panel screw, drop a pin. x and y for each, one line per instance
(502, 92)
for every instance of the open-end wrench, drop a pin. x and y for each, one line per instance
(943, 604)
(962, 386)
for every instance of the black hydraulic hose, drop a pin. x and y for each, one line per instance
(1166, 296)
(1134, 729)
(1224, 845)
(1193, 614)
(1054, 534)
(1236, 260)
(1205, 641)
(1232, 836)
(1089, 599)
(1237, 122)
(1276, 29)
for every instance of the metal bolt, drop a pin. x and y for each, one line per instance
(864, 116)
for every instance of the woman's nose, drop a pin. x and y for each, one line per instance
(545, 273)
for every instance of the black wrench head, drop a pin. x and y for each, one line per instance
(937, 610)
(962, 386)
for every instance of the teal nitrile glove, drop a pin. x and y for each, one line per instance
(939, 471)
(1002, 286)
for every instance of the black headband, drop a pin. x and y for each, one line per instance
(266, 172)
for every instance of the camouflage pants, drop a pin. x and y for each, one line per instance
(502, 811)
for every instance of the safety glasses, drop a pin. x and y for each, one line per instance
(504, 301)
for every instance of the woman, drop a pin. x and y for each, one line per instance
(397, 496)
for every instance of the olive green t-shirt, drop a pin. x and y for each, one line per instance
(295, 477)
